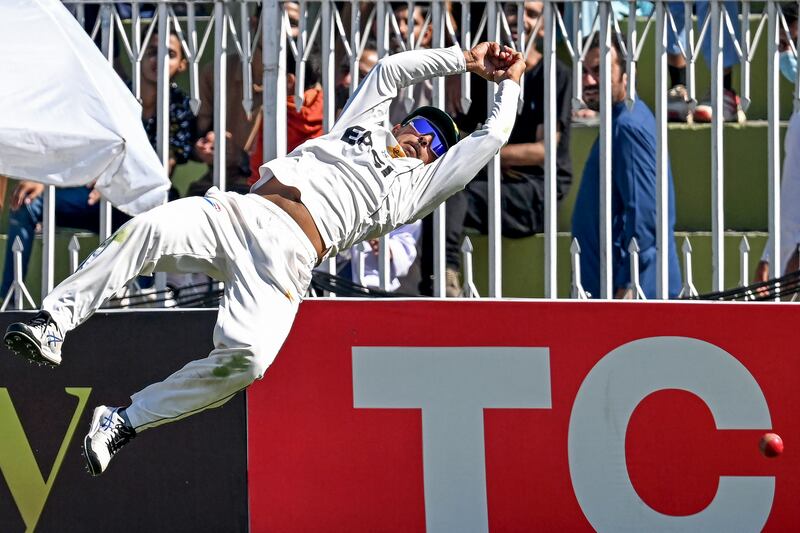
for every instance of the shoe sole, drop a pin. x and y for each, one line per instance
(24, 346)
(92, 463)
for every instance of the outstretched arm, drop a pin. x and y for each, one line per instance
(458, 166)
(373, 96)
(371, 100)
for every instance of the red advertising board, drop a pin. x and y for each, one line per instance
(527, 416)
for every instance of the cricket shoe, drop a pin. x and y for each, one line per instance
(39, 340)
(109, 432)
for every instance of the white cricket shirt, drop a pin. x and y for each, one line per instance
(352, 186)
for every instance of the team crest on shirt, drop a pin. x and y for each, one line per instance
(395, 151)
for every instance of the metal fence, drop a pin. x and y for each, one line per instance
(340, 30)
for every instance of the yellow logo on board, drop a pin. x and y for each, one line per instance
(18, 464)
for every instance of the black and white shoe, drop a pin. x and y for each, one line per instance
(38, 340)
(109, 432)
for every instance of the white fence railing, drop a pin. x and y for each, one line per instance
(340, 30)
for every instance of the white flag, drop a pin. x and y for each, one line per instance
(66, 118)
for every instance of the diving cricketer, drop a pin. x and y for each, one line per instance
(359, 181)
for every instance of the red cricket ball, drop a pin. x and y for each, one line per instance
(771, 445)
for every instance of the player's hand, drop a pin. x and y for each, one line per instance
(25, 192)
(492, 62)
(513, 69)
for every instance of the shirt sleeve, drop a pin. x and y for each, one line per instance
(372, 98)
(403, 247)
(451, 173)
(634, 185)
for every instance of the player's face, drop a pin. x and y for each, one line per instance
(424, 145)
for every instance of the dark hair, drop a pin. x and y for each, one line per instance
(616, 44)
(399, 6)
(371, 44)
(313, 69)
(789, 13)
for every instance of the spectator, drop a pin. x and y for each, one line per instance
(300, 125)
(678, 108)
(790, 184)
(368, 59)
(402, 254)
(77, 207)
(422, 39)
(633, 184)
(521, 160)
(421, 92)
(182, 122)
(239, 126)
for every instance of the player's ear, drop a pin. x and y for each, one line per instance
(290, 81)
(396, 128)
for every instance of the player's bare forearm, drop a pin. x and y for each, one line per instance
(494, 63)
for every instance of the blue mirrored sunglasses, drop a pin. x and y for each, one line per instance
(424, 127)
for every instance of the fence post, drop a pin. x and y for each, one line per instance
(469, 290)
(744, 256)
(636, 288)
(17, 289)
(575, 255)
(74, 247)
(688, 286)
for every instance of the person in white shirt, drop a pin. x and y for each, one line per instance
(790, 215)
(789, 259)
(359, 181)
(402, 244)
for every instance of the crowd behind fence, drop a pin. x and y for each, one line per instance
(262, 34)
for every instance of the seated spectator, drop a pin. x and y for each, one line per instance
(790, 182)
(678, 106)
(239, 126)
(182, 122)
(678, 109)
(301, 125)
(363, 268)
(633, 194)
(77, 207)
(521, 160)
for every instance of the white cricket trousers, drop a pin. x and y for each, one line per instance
(249, 243)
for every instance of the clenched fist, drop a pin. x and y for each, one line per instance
(495, 63)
